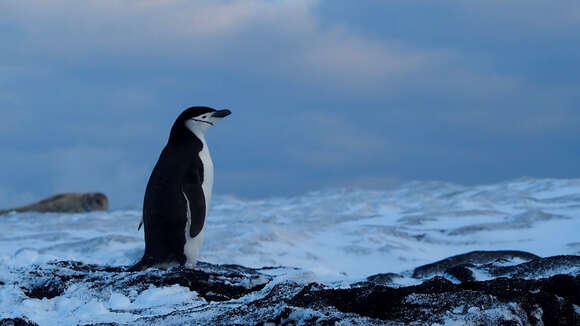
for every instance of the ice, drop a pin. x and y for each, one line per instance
(118, 301)
(332, 235)
(172, 295)
(63, 310)
(352, 233)
(335, 233)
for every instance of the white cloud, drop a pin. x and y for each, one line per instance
(341, 58)
(151, 25)
(266, 37)
(284, 39)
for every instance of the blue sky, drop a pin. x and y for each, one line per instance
(323, 93)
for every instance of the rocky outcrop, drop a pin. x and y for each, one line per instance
(534, 292)
(66, 203)
(16, 322)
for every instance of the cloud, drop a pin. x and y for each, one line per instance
(320, 96)
(525, 15)
(345, 60)
(278, 39)
(192, 26)
(269, 37)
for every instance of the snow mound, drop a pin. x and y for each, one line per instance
(60, 269)
(68, 292)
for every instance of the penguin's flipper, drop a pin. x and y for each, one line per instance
(196, 204)
(195, 198)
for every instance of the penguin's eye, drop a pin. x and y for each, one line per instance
(203, 117)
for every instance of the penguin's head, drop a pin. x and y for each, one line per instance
(197, 120)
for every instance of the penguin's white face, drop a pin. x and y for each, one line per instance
(201, 123)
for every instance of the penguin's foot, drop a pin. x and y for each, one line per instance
(189, 266)
(142, 265)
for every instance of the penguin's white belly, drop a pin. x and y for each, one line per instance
(193, 245)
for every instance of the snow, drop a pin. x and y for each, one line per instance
(341, 234)
(118, 301)
(171, 295)
(333, 235)
(63, 310)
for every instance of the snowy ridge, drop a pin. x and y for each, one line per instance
(336, 234)
(334, 237)
(73, 293)
(341, 233)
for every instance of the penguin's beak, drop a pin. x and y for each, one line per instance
(221, 113)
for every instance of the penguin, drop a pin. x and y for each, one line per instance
(178, 193)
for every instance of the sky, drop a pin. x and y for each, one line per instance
(358, 94)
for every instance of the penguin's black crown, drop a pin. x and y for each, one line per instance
(200, 114)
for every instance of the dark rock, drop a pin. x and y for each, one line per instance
(430, 301)
(16, 322)
(474, 257)
(461, 273)
(236, 295)
(539, 266)
(48, 289)
(210, 286)
(380, 279)
(213, 284)
(554, 295)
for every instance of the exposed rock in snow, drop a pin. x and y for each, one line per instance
(16, 322)
(63, 269)
(232, 294)
(471, 258)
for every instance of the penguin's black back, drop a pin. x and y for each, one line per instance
(164, 205)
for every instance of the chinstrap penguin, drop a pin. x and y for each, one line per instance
(178, 193)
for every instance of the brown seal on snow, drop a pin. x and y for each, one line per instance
(66, 203)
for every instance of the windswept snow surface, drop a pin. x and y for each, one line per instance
(336, 234)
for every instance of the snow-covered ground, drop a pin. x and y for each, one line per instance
(336, 234)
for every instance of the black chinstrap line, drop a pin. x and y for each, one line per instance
(202, 121)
